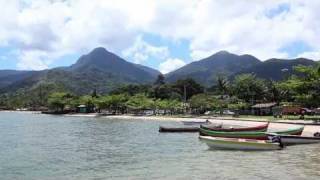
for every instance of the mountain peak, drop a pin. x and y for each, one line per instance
(99, 57)
(223, 52)
(99, 50)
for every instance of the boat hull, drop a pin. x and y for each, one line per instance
(260, 128)
(189, 123)
(239, 144)
(178, 129)
(247, 135)
(295, 140)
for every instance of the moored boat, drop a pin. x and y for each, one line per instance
(295, 139)
(240, 144)
(178, 129)
(248, 135)
(261, 128)
(196, 122)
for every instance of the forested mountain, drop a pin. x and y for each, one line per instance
(206, 70)
(103, 71)
(229, 65)
(100, 70)
(276, 69)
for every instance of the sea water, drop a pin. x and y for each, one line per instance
(40, 147)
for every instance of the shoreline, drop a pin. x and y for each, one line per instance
(29, 112)
(308, 130)
(275, 125)
(176, 117)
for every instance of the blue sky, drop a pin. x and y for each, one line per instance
(165, 35)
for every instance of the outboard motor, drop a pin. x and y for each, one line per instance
(317, 134)
(278, 140)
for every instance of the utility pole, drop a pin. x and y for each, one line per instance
(185, 93)
(185, 97)
(41, 95)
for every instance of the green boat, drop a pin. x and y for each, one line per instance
(240, 144)
(249, 135)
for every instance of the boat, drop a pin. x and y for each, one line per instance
(295, 139)
(261, 128)
(240, 144)
(248, 135)
(178, 129)
(196, 122)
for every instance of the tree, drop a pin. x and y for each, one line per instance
(59, 100)
(139, 102)
(202, 102)
(165, 91)
(305, 89)
(187, 88)
(223, 85)
(89, 101)
(133, 89)
(249, 88)
(162, 104)
(160, 80)
(173, 105)
(118, 102)
(94, 93)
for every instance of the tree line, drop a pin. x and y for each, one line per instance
(239, 92)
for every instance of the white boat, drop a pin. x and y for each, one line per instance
(197, 122)
(294, 139)
(240, 144)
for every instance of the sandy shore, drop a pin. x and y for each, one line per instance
(82, 115)
(308, 130)
(29, 112)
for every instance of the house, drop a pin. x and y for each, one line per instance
(85, 109)
(263, 109)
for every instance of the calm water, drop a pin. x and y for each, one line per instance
(35, 146)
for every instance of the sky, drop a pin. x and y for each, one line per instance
(162, 34)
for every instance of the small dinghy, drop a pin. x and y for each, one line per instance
(184, 129)
(260, 128)
(178, 129)
(295, 140)
(248, 134)
(196, 122)
(240, 144)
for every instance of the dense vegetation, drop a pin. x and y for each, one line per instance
(100, 69)
(105, 71)
(230, 65)
(184, 94)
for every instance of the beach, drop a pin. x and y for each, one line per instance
(309, 130)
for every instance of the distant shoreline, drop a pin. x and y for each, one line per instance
(310, 127)
(32, 112)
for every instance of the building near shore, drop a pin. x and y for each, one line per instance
(263, 109)
(85, 109)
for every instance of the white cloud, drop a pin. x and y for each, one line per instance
(35, 60)
(170, 65)
(61, 27)
(140, 51)
(240, 26)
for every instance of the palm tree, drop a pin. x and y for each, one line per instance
(223, 85)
